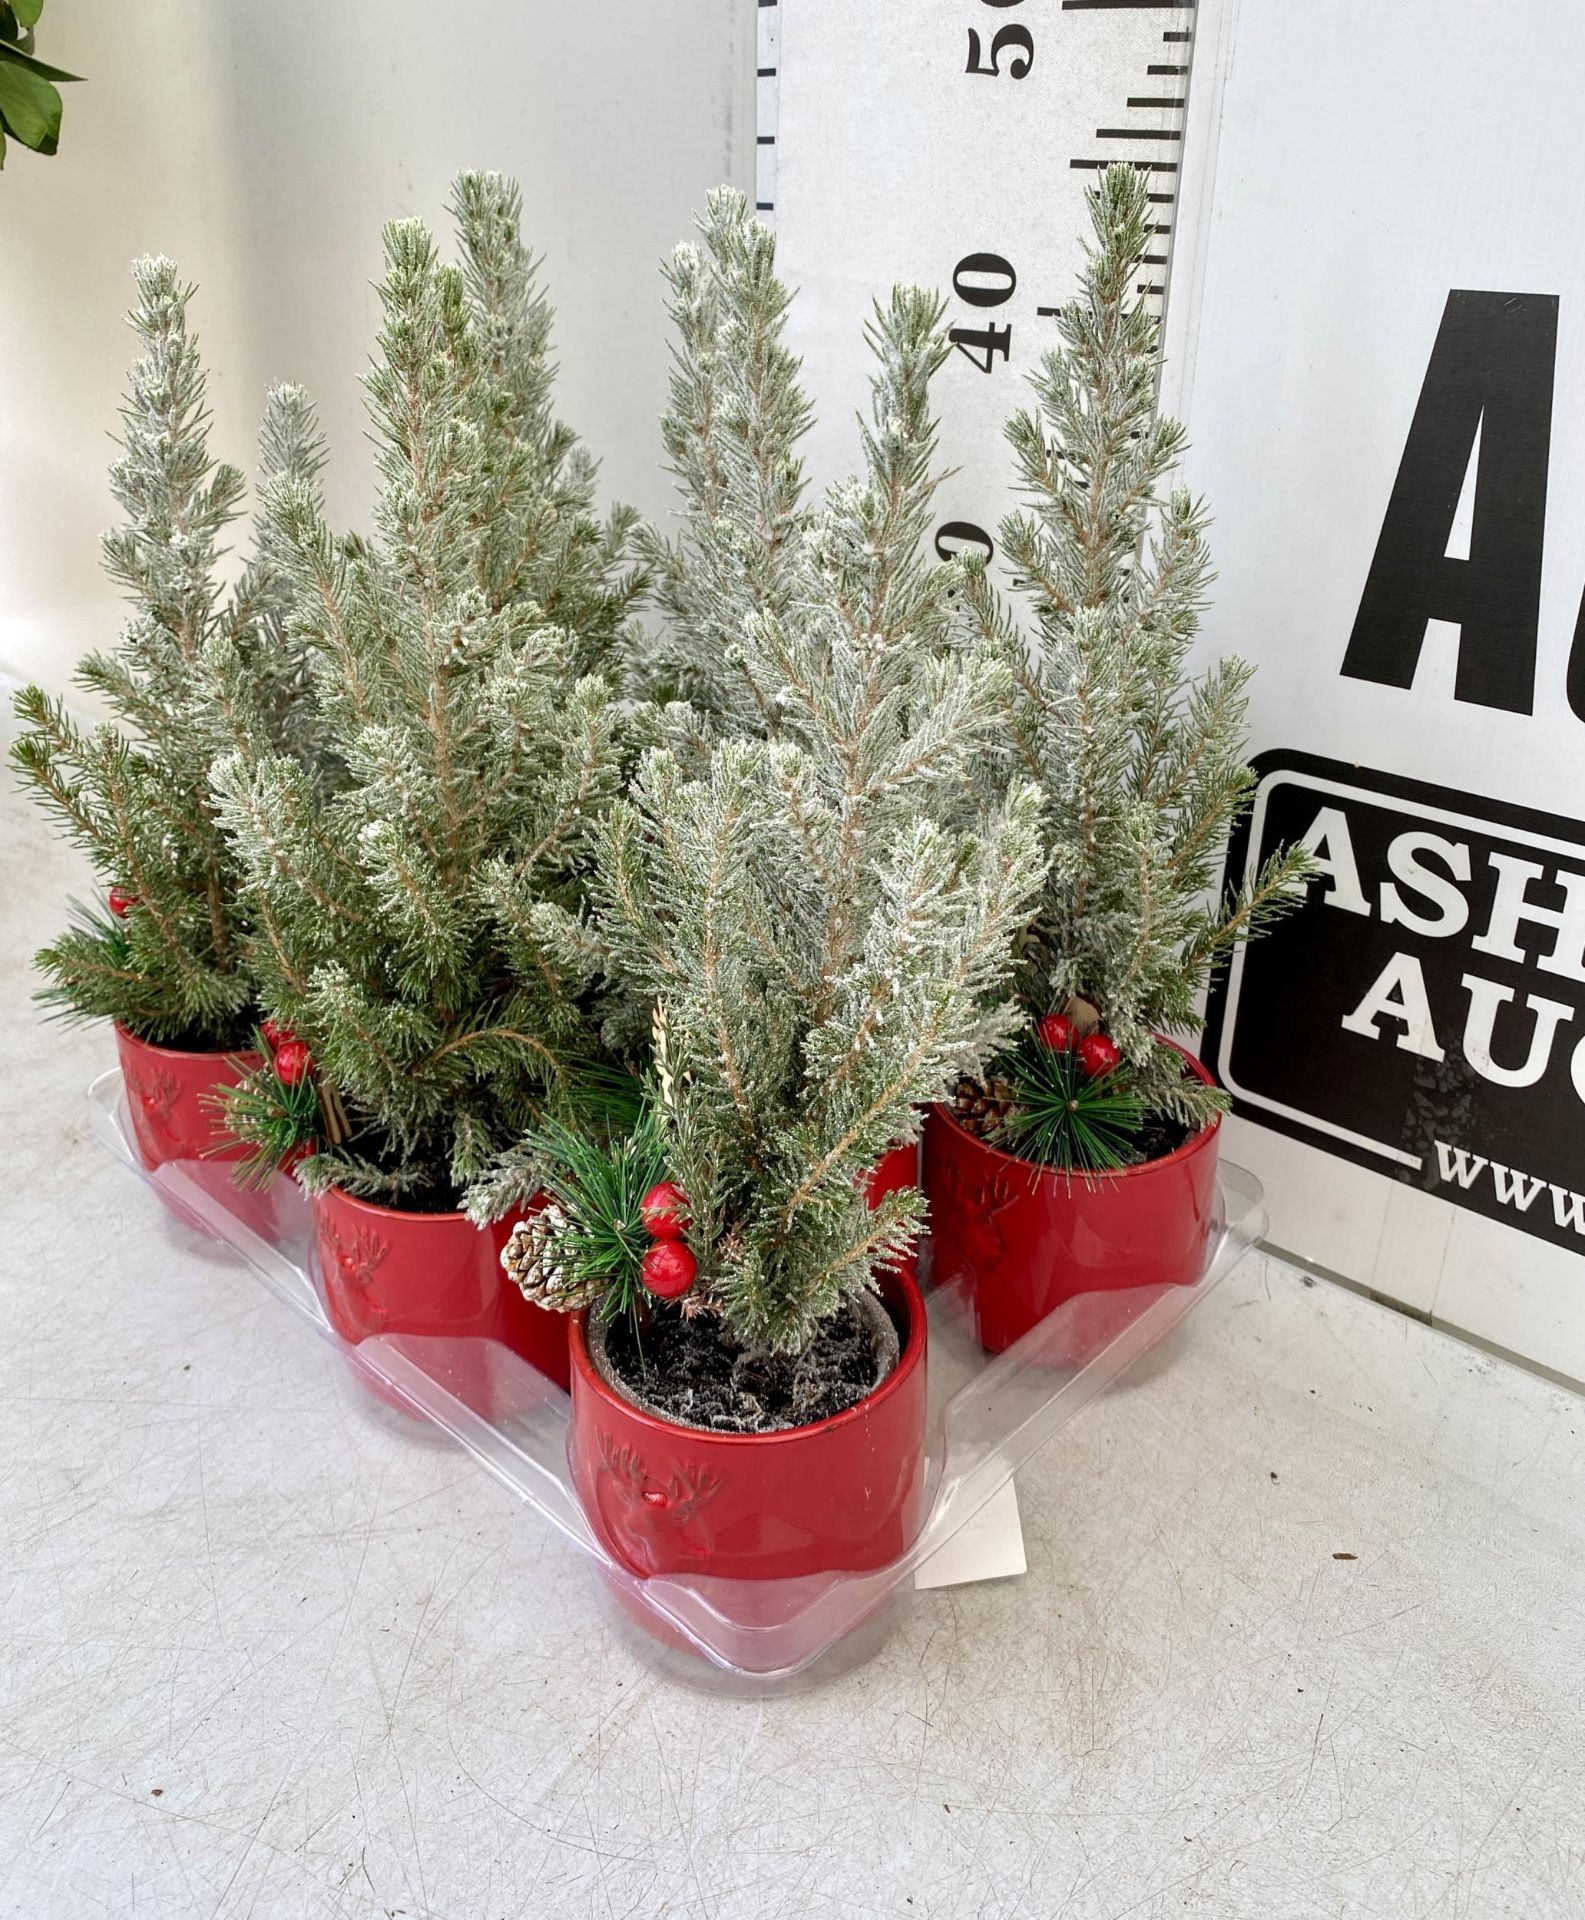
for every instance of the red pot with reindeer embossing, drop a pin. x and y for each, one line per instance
(1022, 1240)
(845, 1494)
(385, 1270)
(169, 1094)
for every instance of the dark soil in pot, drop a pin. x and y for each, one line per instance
(1159, 1136)
(688, 1372)
(418, 1180)
(237, 1037)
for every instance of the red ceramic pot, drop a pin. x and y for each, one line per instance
(1021, 1239)
(166, 1089)
(174, 1124)
(384, 1270)
(893, 1171)
(844, 1494)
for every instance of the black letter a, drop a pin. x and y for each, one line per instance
(1490, 370)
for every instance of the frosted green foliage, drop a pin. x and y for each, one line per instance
(735, 418)
(419, 924)
(196, 672)
(821, 961)
(545, 545)
(1142, 760)
(760, 579)
(804, 879)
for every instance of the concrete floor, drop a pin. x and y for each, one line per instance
(1303, 1631)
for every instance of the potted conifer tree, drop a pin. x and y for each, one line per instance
(418, 936)
(197, 672)
(802, 889)
(1086, 1158)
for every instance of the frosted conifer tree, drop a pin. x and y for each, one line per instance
(755, 558)
(821, 959)
(1142, 759)
(799, 879)
(197, 671)
(418, 927)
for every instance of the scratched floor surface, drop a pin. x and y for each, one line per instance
(1303, 1631)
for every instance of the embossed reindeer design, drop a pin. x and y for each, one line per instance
(641, 1512)
(157, 1091)
(979, 1202)
(353, 1261)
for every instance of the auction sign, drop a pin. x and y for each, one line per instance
(1376, 331)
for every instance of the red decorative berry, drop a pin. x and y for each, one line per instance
(121, 902)
(668, 1269)
(293, 1063)
(664, 1211)
(277, 1032)
(1056, 1032)
(1098, 1056)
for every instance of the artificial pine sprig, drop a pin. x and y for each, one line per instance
(585, 1246)
(1065, 1117)
(1142, 759)
(280, 1118)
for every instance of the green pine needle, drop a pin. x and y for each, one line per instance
(598, 1096)
(599, 1187)
(275, 1121)
(1064, 1119)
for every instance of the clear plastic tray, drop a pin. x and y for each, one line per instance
(987, 1416)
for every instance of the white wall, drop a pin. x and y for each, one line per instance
(262, 147)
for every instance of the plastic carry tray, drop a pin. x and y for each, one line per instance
(987, 1415)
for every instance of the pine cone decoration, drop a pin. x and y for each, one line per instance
(537, 1259)
(980, 1107)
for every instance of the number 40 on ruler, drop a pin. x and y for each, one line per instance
(985, 281)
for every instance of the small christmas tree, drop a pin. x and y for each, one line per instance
(418, 927)
(197, 672)
(759, 570)
(821, 959)
(800, 879)
(1141, 759)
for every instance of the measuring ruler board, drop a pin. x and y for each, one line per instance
(951, 143)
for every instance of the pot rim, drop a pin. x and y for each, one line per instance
(346, 1199)
(1196, 1143)
(126, 1034)
(908, 1361)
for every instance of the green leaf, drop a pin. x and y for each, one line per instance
(26, 11)
(2, 144)
(33, 65)
(30, 108)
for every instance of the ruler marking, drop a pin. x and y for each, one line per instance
(1174, 62)
(1139, 166)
